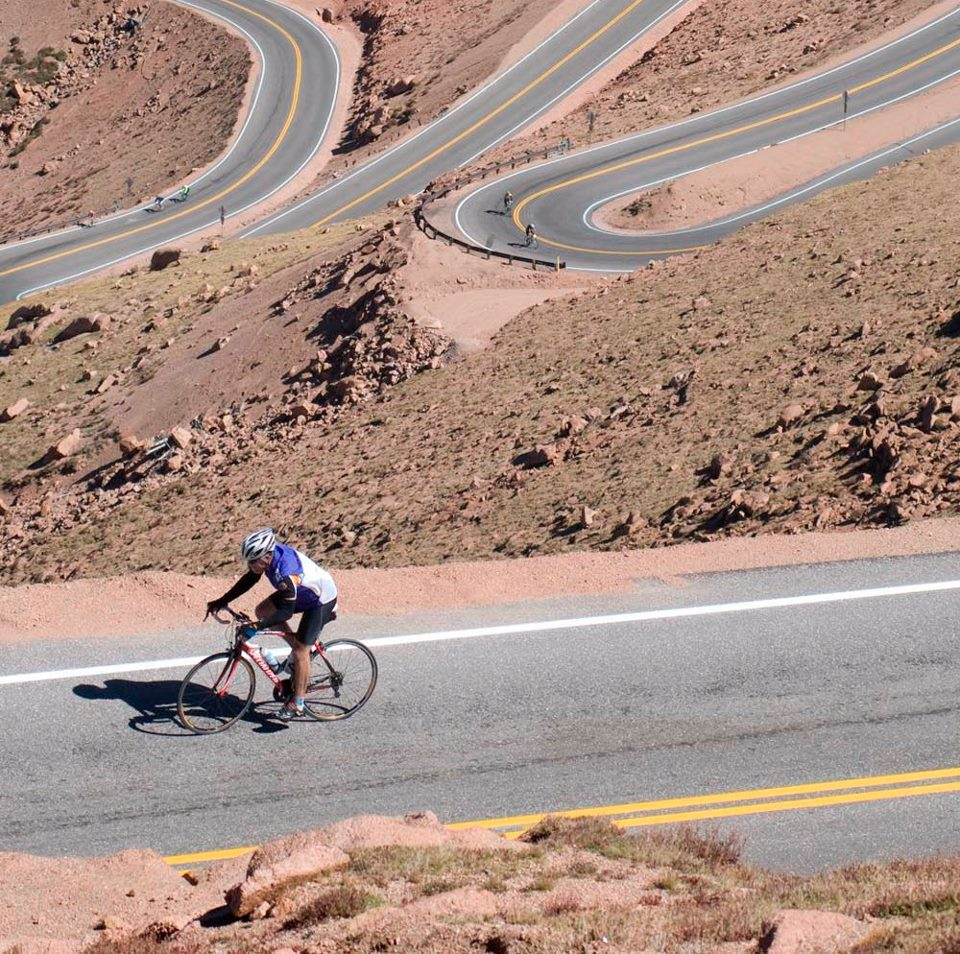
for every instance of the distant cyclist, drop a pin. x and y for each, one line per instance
(158, 202)
(302, 587)
(507, 201)
(184, 192)
(531, 234)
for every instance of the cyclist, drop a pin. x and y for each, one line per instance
(184, 192)
(301, 587)
(158, 202)
(531, 234)
(507, 201)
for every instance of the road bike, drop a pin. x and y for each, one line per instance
(219, 690)
(530, 241)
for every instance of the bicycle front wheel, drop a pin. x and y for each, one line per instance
(342, 678)
(216, 693)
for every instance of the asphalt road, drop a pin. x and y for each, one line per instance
(289, 117)
(560, 196)
(294, 104)
(660, 706)
(488, 116)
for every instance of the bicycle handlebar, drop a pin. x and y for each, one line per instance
(237, 617)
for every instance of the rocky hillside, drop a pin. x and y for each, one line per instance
(818, 391)
(381, 884)
(164, 85)
(418, 58)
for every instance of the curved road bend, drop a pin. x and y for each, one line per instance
(561, 196)
(547, 74)
(681, 700)
(492, 114)
(289, 116)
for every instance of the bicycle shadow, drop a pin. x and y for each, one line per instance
(155, 705)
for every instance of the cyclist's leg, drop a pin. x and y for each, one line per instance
(308, 633)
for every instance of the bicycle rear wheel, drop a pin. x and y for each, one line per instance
(342, 678)
(216, 693)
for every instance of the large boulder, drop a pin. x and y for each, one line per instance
(811, 932)
(27, 313)
(14, 410)
(65, 447)
(84, 325)
(281, 863)
(180, 437)
(163, 258)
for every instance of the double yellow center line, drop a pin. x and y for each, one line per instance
(533, 84)
(706, 140)
(288, 122)
(700, 808)
(756, 801)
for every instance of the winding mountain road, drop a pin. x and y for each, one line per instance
(561, 196)
(815, 709)
(291, 112)
(289, 117)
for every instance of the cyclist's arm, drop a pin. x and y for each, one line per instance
(246, 582)
(285, 603)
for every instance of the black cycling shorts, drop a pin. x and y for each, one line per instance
(313, 620)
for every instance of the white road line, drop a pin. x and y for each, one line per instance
(644, 616)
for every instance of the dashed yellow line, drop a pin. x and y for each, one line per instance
(705, 140)
(213, 199)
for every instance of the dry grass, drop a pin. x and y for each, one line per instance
(147, 945)
(903, 888)
(343, 901)
(427, 475)
(435, 870)
(683, 847)
(585, 886)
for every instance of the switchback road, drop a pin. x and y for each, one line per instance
(561, 196)
(289, 117)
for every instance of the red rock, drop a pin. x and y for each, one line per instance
(66, 447)
(85, 324)
(301, 856)
(131, 445)
(14, 410)
(26, 313)
(163, 258)
(792, 932)
(108, 382)
(180, 437)
(790, 415)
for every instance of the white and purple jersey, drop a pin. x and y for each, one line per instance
(296, 577)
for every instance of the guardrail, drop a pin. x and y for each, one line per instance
(494, 168)
(81, 221)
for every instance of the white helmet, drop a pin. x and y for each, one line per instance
(257, 544)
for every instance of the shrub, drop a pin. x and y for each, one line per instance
(343, 901)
